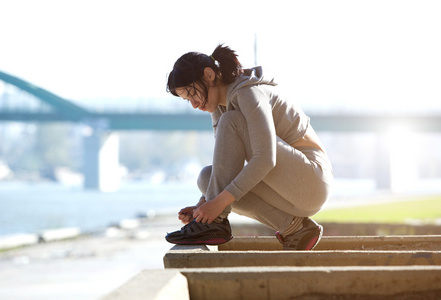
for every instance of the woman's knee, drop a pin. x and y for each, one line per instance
(204, 179)
(239, 207)
(232, 117)
(246, 206)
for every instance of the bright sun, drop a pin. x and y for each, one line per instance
(403, 157)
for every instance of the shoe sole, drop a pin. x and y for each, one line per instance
(212, 242)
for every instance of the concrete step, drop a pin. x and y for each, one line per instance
(214, 259)
(314, 282)
(351, 267)
(264, 283)
(404, 242)
(246, 228)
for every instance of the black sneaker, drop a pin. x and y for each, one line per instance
(195, 233)
(304, 239)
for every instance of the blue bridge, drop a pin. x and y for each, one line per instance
(40, 105)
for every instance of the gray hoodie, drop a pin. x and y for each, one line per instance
(268, 115)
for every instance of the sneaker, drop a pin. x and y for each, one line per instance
(304, 239)
(195, 233)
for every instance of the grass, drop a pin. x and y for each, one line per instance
(427, 209)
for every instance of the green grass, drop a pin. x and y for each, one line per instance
(426, 209)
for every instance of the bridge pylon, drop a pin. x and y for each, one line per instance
(101, 159)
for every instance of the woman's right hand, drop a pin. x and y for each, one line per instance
(186, 214)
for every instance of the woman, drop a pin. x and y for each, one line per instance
(268, 163)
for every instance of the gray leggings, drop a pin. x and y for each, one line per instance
(298, 185)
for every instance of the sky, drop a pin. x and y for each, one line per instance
(327, 55)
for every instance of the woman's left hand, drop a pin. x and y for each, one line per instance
(210, 210)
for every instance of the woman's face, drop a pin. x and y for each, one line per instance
(195, 95)
(197, 98)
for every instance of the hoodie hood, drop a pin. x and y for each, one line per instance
(250, 77)
(253, 76)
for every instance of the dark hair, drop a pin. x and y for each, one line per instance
(189, 69)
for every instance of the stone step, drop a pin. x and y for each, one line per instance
(214, 259)
(264, 283)
(247, 228)
(318, 282)
(404, 242)
(350, 267)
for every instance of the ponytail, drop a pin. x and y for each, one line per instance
(189, 69)
(229, 65)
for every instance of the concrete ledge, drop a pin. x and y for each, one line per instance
(182, 250)
(60, 234)
(317, 282)
(18, 240)
(153, 285)
(363, 229)
(406, 282)
(193, 248)
(214, 259)
(405, 242)
(346, 229)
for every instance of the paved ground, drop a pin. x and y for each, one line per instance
(84, 268)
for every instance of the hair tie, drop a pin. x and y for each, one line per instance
(214, 60)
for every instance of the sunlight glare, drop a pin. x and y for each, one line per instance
(402, 145)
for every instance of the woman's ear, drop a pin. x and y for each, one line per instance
(209, 74)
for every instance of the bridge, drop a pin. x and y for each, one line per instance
(39, 105)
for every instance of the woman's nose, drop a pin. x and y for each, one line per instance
(194, 104)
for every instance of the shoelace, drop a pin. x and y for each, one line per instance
(196, 227)
(187, 225)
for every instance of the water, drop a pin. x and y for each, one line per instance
(33, 207)
(30, 208)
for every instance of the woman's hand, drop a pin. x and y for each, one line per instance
(186, 214)
(210, 210)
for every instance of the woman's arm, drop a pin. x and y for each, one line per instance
(255, 105)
